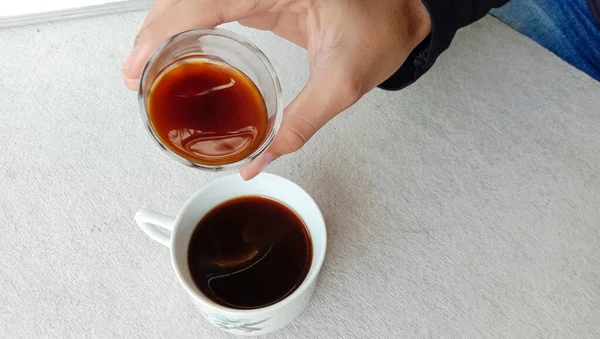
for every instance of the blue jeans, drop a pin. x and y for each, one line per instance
(565, 27)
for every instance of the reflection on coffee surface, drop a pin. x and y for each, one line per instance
(207, 112)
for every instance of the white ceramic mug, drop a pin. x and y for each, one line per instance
(242, 322)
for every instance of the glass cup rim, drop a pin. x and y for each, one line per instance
(240, 40)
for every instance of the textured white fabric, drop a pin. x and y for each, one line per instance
(464, 206)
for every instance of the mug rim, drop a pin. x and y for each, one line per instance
(240, 40)
(310, 277)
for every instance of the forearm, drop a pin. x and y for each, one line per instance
(446, 17)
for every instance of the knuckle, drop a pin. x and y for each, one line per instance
(352, 87)
(304, 128)
(245, 22)
(293, 139)
(146, 34)
(137, 39)
(221, 17)
(308, 3)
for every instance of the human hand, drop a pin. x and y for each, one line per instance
(353, 46)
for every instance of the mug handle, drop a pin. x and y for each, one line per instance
(149, 221)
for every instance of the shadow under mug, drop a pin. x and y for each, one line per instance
(225, 47)
(241, 322)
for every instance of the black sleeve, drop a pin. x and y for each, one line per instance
(447, 16)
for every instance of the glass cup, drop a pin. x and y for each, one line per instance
(215, 44)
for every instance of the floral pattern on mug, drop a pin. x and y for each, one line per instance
(230, 324)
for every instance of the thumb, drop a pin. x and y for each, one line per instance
(329, 91)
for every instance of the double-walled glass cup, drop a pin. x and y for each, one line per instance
(217, 45)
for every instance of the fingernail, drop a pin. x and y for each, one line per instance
(257, 166)
(132, 84)
(130, 59)
(264, 161)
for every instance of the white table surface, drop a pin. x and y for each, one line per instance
(467, 205)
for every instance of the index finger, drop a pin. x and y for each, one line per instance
(157, 9)
(184, 15)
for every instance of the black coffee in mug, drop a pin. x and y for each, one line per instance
(249, 252)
